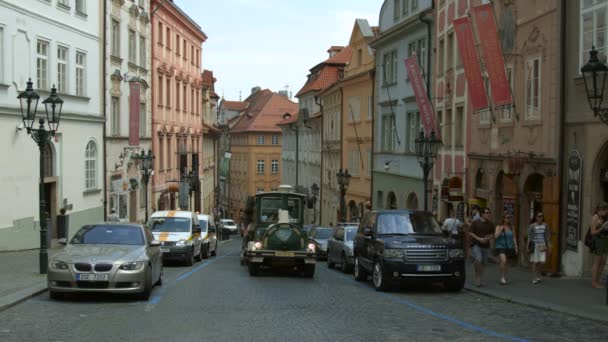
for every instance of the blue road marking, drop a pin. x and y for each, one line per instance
(430, 312)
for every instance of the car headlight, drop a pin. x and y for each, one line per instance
(59, 265)
(257, 245)
(394, 253)
(311, 247)
(132, 266)
(183, 242)
(456, 253)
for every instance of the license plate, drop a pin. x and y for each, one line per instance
(92, 277)
(429, 268)
(164, 250)
(283, 254)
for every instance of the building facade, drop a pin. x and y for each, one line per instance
(177, 124)
(255, 145)
(211, 134)
(127, 106)
(404, 32)
(55, 43)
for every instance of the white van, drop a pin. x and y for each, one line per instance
(208, 235)
(178, 232)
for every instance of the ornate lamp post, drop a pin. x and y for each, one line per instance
(426, 151)
(343, 181)
(147, 170)
(314, 188)
(41, 135)
(594, 74)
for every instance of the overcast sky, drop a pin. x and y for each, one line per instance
(272, 43)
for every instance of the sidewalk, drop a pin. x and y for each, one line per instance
(568, 295)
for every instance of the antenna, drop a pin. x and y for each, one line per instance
(239, 95)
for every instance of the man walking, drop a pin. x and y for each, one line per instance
(482, 232)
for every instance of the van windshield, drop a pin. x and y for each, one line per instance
(169, 224)
(408, 223)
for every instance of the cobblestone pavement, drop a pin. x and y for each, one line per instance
(217, 300)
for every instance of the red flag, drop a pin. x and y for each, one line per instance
(492, 54)
(470, 61)
(424, 104)
(134, 106)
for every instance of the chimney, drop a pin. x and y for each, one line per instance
(255, 89)
(334, 50)
(284, 93)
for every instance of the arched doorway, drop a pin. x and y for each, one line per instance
(412, 201)
(391, 201)
(533, 196)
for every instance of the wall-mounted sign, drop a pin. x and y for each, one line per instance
(573, 212)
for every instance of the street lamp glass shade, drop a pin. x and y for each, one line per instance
(53, 105)
(594, 75)
(29, 103)
(315, 189)
(340, 176)
(434, 145)
(419, 142)
(346, 178)
(148, 161)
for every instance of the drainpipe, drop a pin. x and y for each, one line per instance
(371, 185)
(562, 121)
(104, 103)
(428, 23)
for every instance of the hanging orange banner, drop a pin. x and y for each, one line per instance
(492, 54)
(470, 61)
(427, 114)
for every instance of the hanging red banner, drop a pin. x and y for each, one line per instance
(134, 106)
(492, 54)
(470, 61)
(427, 114)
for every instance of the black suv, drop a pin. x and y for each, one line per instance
(393, 245)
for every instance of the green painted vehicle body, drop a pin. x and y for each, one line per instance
(272, 235)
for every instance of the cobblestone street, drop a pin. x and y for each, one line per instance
(217, 300)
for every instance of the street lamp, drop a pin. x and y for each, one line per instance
(315, 193)
(41, 135)
(343, 181)
(594, 75)
(426, 151)
(147, 170)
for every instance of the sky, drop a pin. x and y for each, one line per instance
(272, 43)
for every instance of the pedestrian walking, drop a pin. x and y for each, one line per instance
(113, 217)
(599, 244)
(538, 245)
(505, 244)
(482, 232)
(453, 224)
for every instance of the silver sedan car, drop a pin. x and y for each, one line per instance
(340, 248)
(107, 257)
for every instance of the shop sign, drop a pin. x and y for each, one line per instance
(573, 213)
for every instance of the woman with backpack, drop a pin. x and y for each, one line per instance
(599, 244)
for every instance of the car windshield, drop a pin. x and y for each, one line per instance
(169, 224)
(408, 223)
(350, 234)
(204, 224)
(109, 235)
(323, 233)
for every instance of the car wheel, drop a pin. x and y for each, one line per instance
(380, 283)
(309, 271)
(54, 295)
(344, 265)
(199, 256)
(159, 282)
(214, 253)
(145, 294)
(359, 272)
(190, 258)
(254, 269)
(455, 284)
(330, 264)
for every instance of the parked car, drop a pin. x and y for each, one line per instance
(340, 248)
(178, 232)
(208, 235)
(395, 245)
(228, 226)
(307, 228)
(107, 257)
(319, 237)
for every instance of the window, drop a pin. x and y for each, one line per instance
(447, 132)
(396, 9)
(388, 132)
(533, 88)
(418, 47)
(414, 4)
(186, 99)
(168, 102)
(505, 113)
(275, 139)
(1, 54)
(160, 90)
(459, 128)
(115, 48)
(354, 162)
(185, 47)
(484, 117)
(64, 3)
(260, 140)
(359, 57)
(440, 57)
(370, 107)
(90, 161)
(62, 69)
(168, 37)
(593, 29)
(369, 164)
(177, 94)
(115, 116)
(450, 56)
(260, 167)
(390, 67)
(42, 65)
(143, 120)
(142, 52)
(132, 47)
(81, 59)
(354, 109)
(413, 127)
(177, 45)
(80, 7)
(274, 166)
(160, 33)
(259, 190)
(405, 8)
(161, 153)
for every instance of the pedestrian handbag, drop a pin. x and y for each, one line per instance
(588, 238)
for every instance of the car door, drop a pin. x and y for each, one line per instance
(368, 242)
(211, 233)
(154, 254)
(195, 238)
(333, 244)
(360, 243)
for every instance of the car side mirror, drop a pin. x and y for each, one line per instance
(154, 243)
(368, 232)
(62, 241)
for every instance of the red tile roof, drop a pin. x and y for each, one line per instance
(289, 120)
(235, 105)
(326, 73)
(265, 111)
